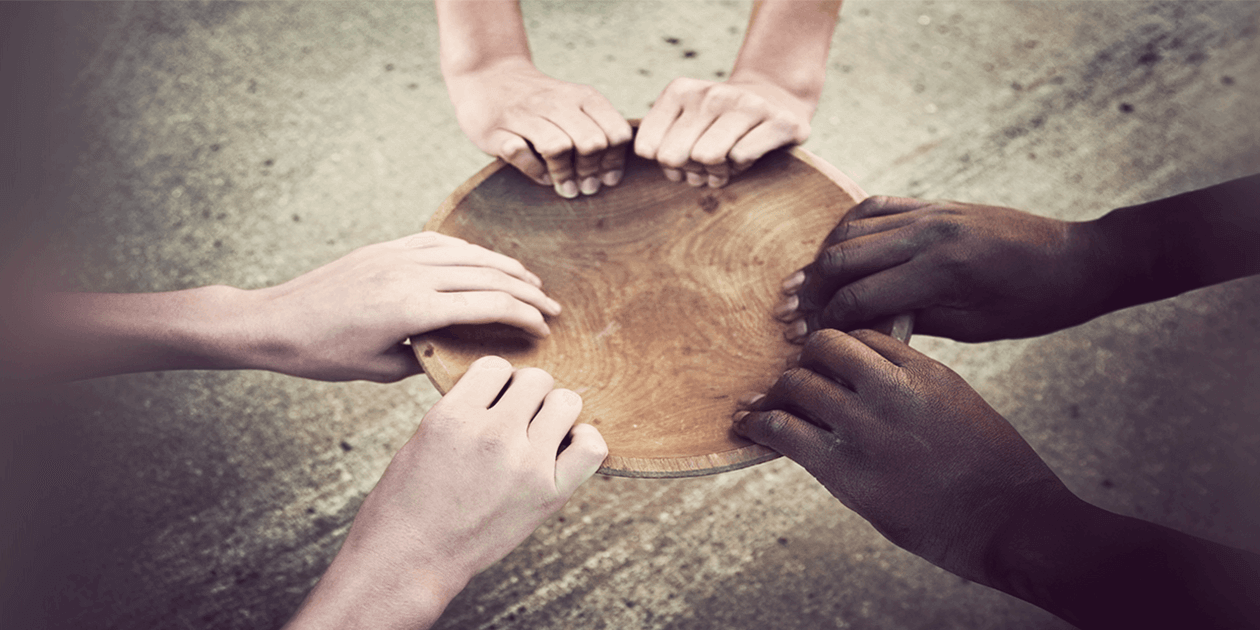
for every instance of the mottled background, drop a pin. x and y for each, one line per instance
(243, 144)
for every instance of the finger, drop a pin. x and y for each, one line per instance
(481, 384)
(613, 165)
(895, 352)
(883, 205)
(485, 307)
(762, 139)
(846, 359)
(851, 228)
(589, 143)
(581, 459)
(516, 151)
(807, 394)
(618, 132)
(719, 175)
(811, 446)
(560, 409)
(426, 240)
(456, 279)
(556, 149)
(524, 395)
(899, 290)
(713, 147)
(654, 126)
(676, 146)
(462, 254)
(850, 261)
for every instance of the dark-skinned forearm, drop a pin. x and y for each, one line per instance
(1174, 245)
(1097, 569)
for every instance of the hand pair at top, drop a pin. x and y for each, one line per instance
(569, 136)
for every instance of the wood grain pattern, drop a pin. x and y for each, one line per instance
(668, 292)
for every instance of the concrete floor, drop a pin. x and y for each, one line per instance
(246, 143)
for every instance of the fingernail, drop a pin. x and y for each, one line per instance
(534, 279)
(787, 310)
(738, 416)
(793, 282)
(590, 185)
(612, 178)
(750, 399)
(792, 361)
(717, 182)
(553, 306)
(673, 174)
(695, 179)
(546, 330)
(546, 179)
(567, 189)
(796, 331)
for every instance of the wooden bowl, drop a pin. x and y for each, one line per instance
(668, 293)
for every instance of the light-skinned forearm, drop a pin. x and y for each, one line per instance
(84, 335)
(477, 34)
(787, 44)
(1097, 569)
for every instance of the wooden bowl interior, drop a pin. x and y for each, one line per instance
(668, 292)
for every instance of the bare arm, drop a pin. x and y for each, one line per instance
(976, 273)
(710, 131)
(483, 470)
(903, 441)
(343, 321)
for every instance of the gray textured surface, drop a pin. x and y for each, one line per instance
(245, 144)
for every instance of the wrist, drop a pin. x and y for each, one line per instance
(363, 590)
(803, 86)
(1126, 247)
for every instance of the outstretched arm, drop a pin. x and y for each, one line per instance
(346, 320)
(710, 131)
(903, 441)
(977, 273)
(482, 472)
(557, 133)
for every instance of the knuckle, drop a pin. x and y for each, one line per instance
(774, 424)
(832, 260)
(492, 362)
(535, 375)
(590, 144)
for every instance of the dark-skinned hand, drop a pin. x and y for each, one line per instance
(903, 441)
(968, 272)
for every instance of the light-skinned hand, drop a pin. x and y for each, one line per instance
(557, 133)
(710, 131)
(481, 473)
(347, 320)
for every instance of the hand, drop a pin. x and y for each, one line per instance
(478, 477)
(903, 441)
(347, 320)
(969, 272)
(713, 131)
(556, 133)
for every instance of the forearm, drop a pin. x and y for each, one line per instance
(787, 44)
(1193, 240)
(476, 34)
(1097, 569)
(84, 335)
(352, 594)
